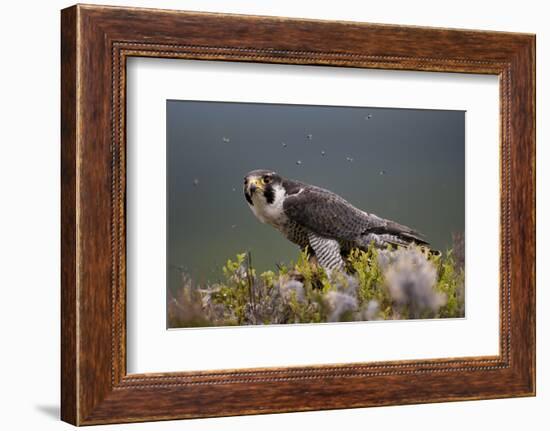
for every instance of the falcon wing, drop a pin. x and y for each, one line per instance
(330, 216)
(325, 213)
(403, 233)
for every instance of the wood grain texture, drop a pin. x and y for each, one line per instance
(69, 331)
(96, 41)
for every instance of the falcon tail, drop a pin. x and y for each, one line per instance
(396, 235)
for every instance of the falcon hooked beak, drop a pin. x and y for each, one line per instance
(254, 184)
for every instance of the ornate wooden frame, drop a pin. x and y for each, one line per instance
(95, 43)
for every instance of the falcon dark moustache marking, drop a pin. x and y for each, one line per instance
(319, 219)
(269, 194)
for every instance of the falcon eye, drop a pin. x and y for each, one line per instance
(266, 179)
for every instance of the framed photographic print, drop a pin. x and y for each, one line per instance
(415, 172)
(324, 214)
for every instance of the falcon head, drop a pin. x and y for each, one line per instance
(261, 187)
(265, 192)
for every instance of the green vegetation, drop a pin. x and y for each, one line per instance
(387, 284)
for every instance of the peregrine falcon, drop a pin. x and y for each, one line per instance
(316, 218)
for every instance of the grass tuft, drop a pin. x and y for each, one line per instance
(391, 284)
